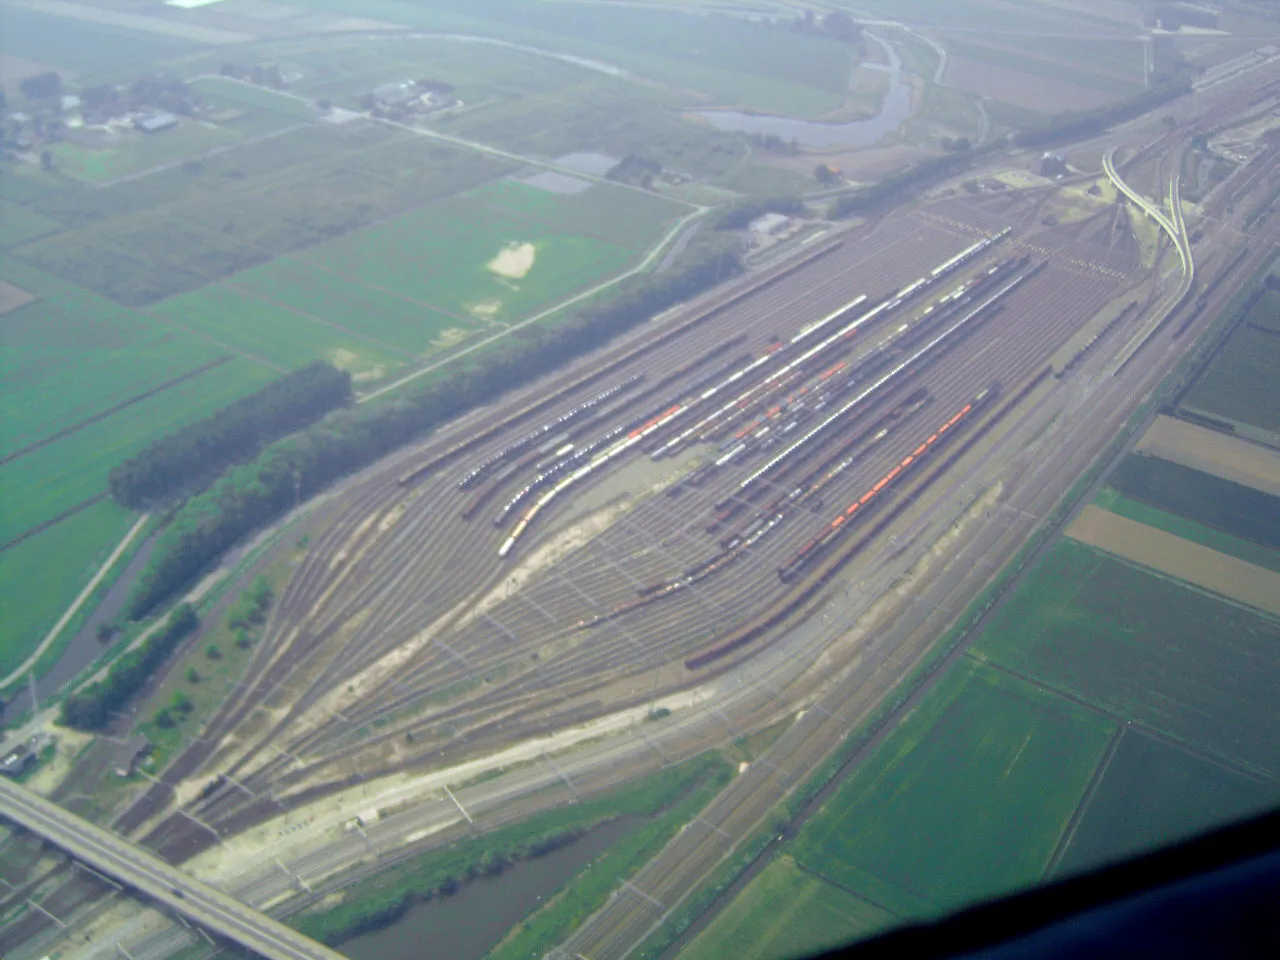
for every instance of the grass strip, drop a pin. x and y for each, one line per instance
(588, 892)
(381, 900)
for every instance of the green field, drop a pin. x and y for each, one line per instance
(278, 335)
(80, 47)
(1194, 668)
(1154, 794)
(734, 61)
(1266, 312)
(1233, 508)
(1241, 549)
(42, 484)
(923, 825)
(224, 91)
(140, 151)
(1038, 66)
(40, 577)
(18, 224)
(1240, 382)
(70, 355)
(400, 324)
(439, 256)
(783, 913)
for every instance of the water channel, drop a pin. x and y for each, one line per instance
(894, 111)
(468, 924)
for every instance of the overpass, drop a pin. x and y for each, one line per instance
(1176, 229)
(142, 870)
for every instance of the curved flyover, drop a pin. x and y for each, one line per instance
(142, 870)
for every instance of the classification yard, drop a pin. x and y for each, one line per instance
(623, 533)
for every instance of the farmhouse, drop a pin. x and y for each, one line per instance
(156, 123)
(770, 224)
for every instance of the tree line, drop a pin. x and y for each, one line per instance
(738, 216)
(202, 449)
(91, 708)
(251, 495)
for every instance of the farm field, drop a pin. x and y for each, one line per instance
(41, 485)
(1239, 384)
(1246, 550)
(1107, 67)
(18, 224)
(40, 577)
(1153, 794)
(732, 61)
(69, 356)
(1148, 650)
(1170, 555)
(1233, 508)
(473, 262)
(79, 46)
(785, 912)
(984, 750)
(282, 337)
(1211, 451)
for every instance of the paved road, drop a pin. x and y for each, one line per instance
(142, 870)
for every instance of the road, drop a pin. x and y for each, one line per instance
(115, 857)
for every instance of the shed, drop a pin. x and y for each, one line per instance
(769, 223)
(127, 753)
(156, 123)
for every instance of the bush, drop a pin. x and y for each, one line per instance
(90, 708)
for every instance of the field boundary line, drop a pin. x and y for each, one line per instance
(823, 878)
(52, 521)
(216, 151)
(1168, 739)
(76, 604)
(543, 314)
(1077, 815)
(280, 304)
(110, 411)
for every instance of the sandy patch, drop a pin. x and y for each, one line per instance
(451, 336)
(1172, 555)
(1211, 452)
(514, 261)
(484, 310)
(11, 297)
(1021, 89)
(546, 556)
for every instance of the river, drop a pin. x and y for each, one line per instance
(894, 111)
(471, 922)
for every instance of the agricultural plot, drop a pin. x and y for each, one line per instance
(43, 484)
(69, 356)
(1215, 452)
(730, 60)
(279, 336)
(225, 91)
(1147, 649)
(1170, 555)
(40, 577)
(1153, 794)
(1117, 503)
(474, 262)
(1240, 382)
(82, 47)
(18, 224)
(131, 152)
(1233, 508)
(785, 912)
(397, 324)
(966, 799)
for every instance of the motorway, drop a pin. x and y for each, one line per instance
(142, 870)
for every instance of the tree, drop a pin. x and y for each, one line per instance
(841, 26)
(213, 652)
(181, 703)
(106, 630)
(193, 675)
(325, 104)
(46, 160)
(824, 174)
(41, 86)
(164, 718)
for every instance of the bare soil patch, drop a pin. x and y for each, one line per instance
(11, 297)
(1021, 89)
(1182, 559)
(1216, 453)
